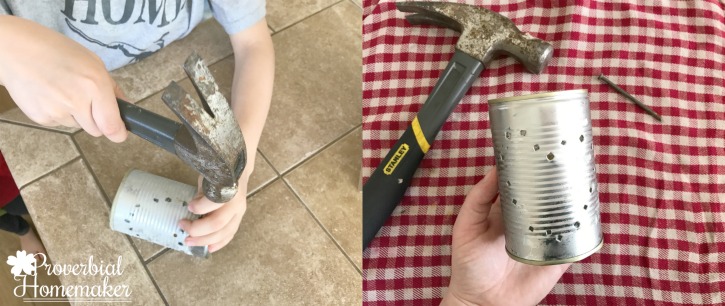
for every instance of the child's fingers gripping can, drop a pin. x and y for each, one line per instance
(150, 207)
(547, 179)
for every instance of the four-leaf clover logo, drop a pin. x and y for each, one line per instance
(22, 262)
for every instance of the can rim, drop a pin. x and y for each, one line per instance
(540, 95)
(558, 261)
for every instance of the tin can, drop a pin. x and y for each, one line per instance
(547, 179)
(150, 207)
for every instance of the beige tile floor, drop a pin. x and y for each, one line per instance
(299, 241)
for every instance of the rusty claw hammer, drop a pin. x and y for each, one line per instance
(209, 140)
(484, 34)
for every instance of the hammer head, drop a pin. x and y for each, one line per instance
(211, 141)
(484, 33)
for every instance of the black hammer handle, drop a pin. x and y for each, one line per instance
(386, 186)
(153, 127)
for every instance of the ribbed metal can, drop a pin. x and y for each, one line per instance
(547, 178)
(150, 207)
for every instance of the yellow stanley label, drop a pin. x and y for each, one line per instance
(395, 160)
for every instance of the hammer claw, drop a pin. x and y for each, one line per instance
(423, 14)
(187, 109)
(212, 141)
(434, 19)
(203, 81)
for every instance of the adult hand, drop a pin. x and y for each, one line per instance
(56, 81)
(481, 271)
(220, 222)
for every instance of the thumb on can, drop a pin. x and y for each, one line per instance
(200, 204)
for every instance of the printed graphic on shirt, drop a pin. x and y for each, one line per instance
(94, 21)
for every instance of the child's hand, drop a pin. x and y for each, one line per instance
(220, 222)
(56, 81)
(481, 271)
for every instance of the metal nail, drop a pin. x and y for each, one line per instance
(631, 98)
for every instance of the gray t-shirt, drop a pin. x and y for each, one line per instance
(121, 32)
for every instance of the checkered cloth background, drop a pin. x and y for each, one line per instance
(662, 185)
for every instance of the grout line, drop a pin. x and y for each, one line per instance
(108, 205)
(49, 173)
(38, 127)
(157, 255)
(93, 173)
(268, 162)
(307, 17)
(267, 183)
(318, 151)
(319, 223)
(262, 187)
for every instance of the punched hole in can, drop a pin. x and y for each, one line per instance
(585, 207)
(563, 142)
(508, 135)
(581, 138)
(590, 189)
(577, 224)
(559, 238)
(181, 244)
(175, 235)
(531, 228)
(548, 232)
(515, 201)
(523, 132)
(536, 147)
(550, 156)
(508, 183)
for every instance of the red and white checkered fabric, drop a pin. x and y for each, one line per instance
(662, 185)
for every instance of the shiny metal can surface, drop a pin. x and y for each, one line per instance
(547, 179)
(150, 207)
